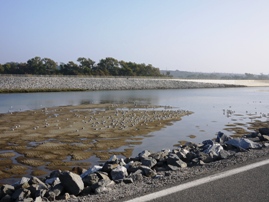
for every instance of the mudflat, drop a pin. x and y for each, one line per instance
(38, 141)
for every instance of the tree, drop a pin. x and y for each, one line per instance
(69, 69)
(49, 66)
(2, 70)
(35, 66)
(109, 65)
(86, 65)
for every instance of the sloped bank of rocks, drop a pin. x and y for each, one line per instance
(10, 83)
(120, 178)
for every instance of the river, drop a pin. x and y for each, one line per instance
(209, 106)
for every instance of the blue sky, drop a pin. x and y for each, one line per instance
(190, 35)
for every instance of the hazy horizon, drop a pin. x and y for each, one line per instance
(197, 36)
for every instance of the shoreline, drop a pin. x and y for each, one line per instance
(9, 84)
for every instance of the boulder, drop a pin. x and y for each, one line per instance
(102, 175)
(144, 154)
(91, 179)
(264, 131)
(41, 185)
(174, 160)
(108, 167)
(206, 158)
(71, 182)
(149, 162)
(119, 173)
(242, 143)
(113, 159)
(7, 189)
(137, 176)
(91, 170)
(212, 148)
(221, 138)
(134, 166)
(159, 156)
(264, 137)
(147, 171)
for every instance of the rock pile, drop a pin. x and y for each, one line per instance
(63, 185)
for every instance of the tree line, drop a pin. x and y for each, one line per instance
(83, 66)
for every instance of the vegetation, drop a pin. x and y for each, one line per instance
(84, 66)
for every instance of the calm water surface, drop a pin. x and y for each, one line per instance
(208, 106)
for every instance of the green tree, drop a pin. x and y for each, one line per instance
(36, 66)
(86, 65)
(49, 66)
(2, 70)
(109, 66)
(69, 69)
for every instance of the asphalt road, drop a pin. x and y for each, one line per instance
(251, 185)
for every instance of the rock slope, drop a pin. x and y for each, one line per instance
(33, 83)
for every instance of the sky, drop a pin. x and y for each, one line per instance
(226, 36)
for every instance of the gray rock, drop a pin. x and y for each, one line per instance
(35, 180)
(18, 194)
(57, 190)
(119, 173)
(147, 171)
(37, 199)
(102, 175)
(266, 144)
(7, 189)
(113, 159)
(181, 155)
(22, 181)
(91, 170)
(174, 160)
(264, 131)
(144, 154)
(159, 156)
(6, 198)
(149, 162)
(137, 176)
(222, 138)
(224, 154)
(91, 179)
(206, 158)
(55, 173)
(71, 182)
(190, 156)
(53, 181)
(134, 166)
(264, 137)
(244, 144)
(108, 167)
(213, 149)
(103, 185)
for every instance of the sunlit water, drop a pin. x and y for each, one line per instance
(208, 106)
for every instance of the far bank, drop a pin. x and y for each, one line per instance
(69, 83)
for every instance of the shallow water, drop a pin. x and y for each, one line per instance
(209, 106)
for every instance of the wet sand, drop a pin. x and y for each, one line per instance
(39, 141)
